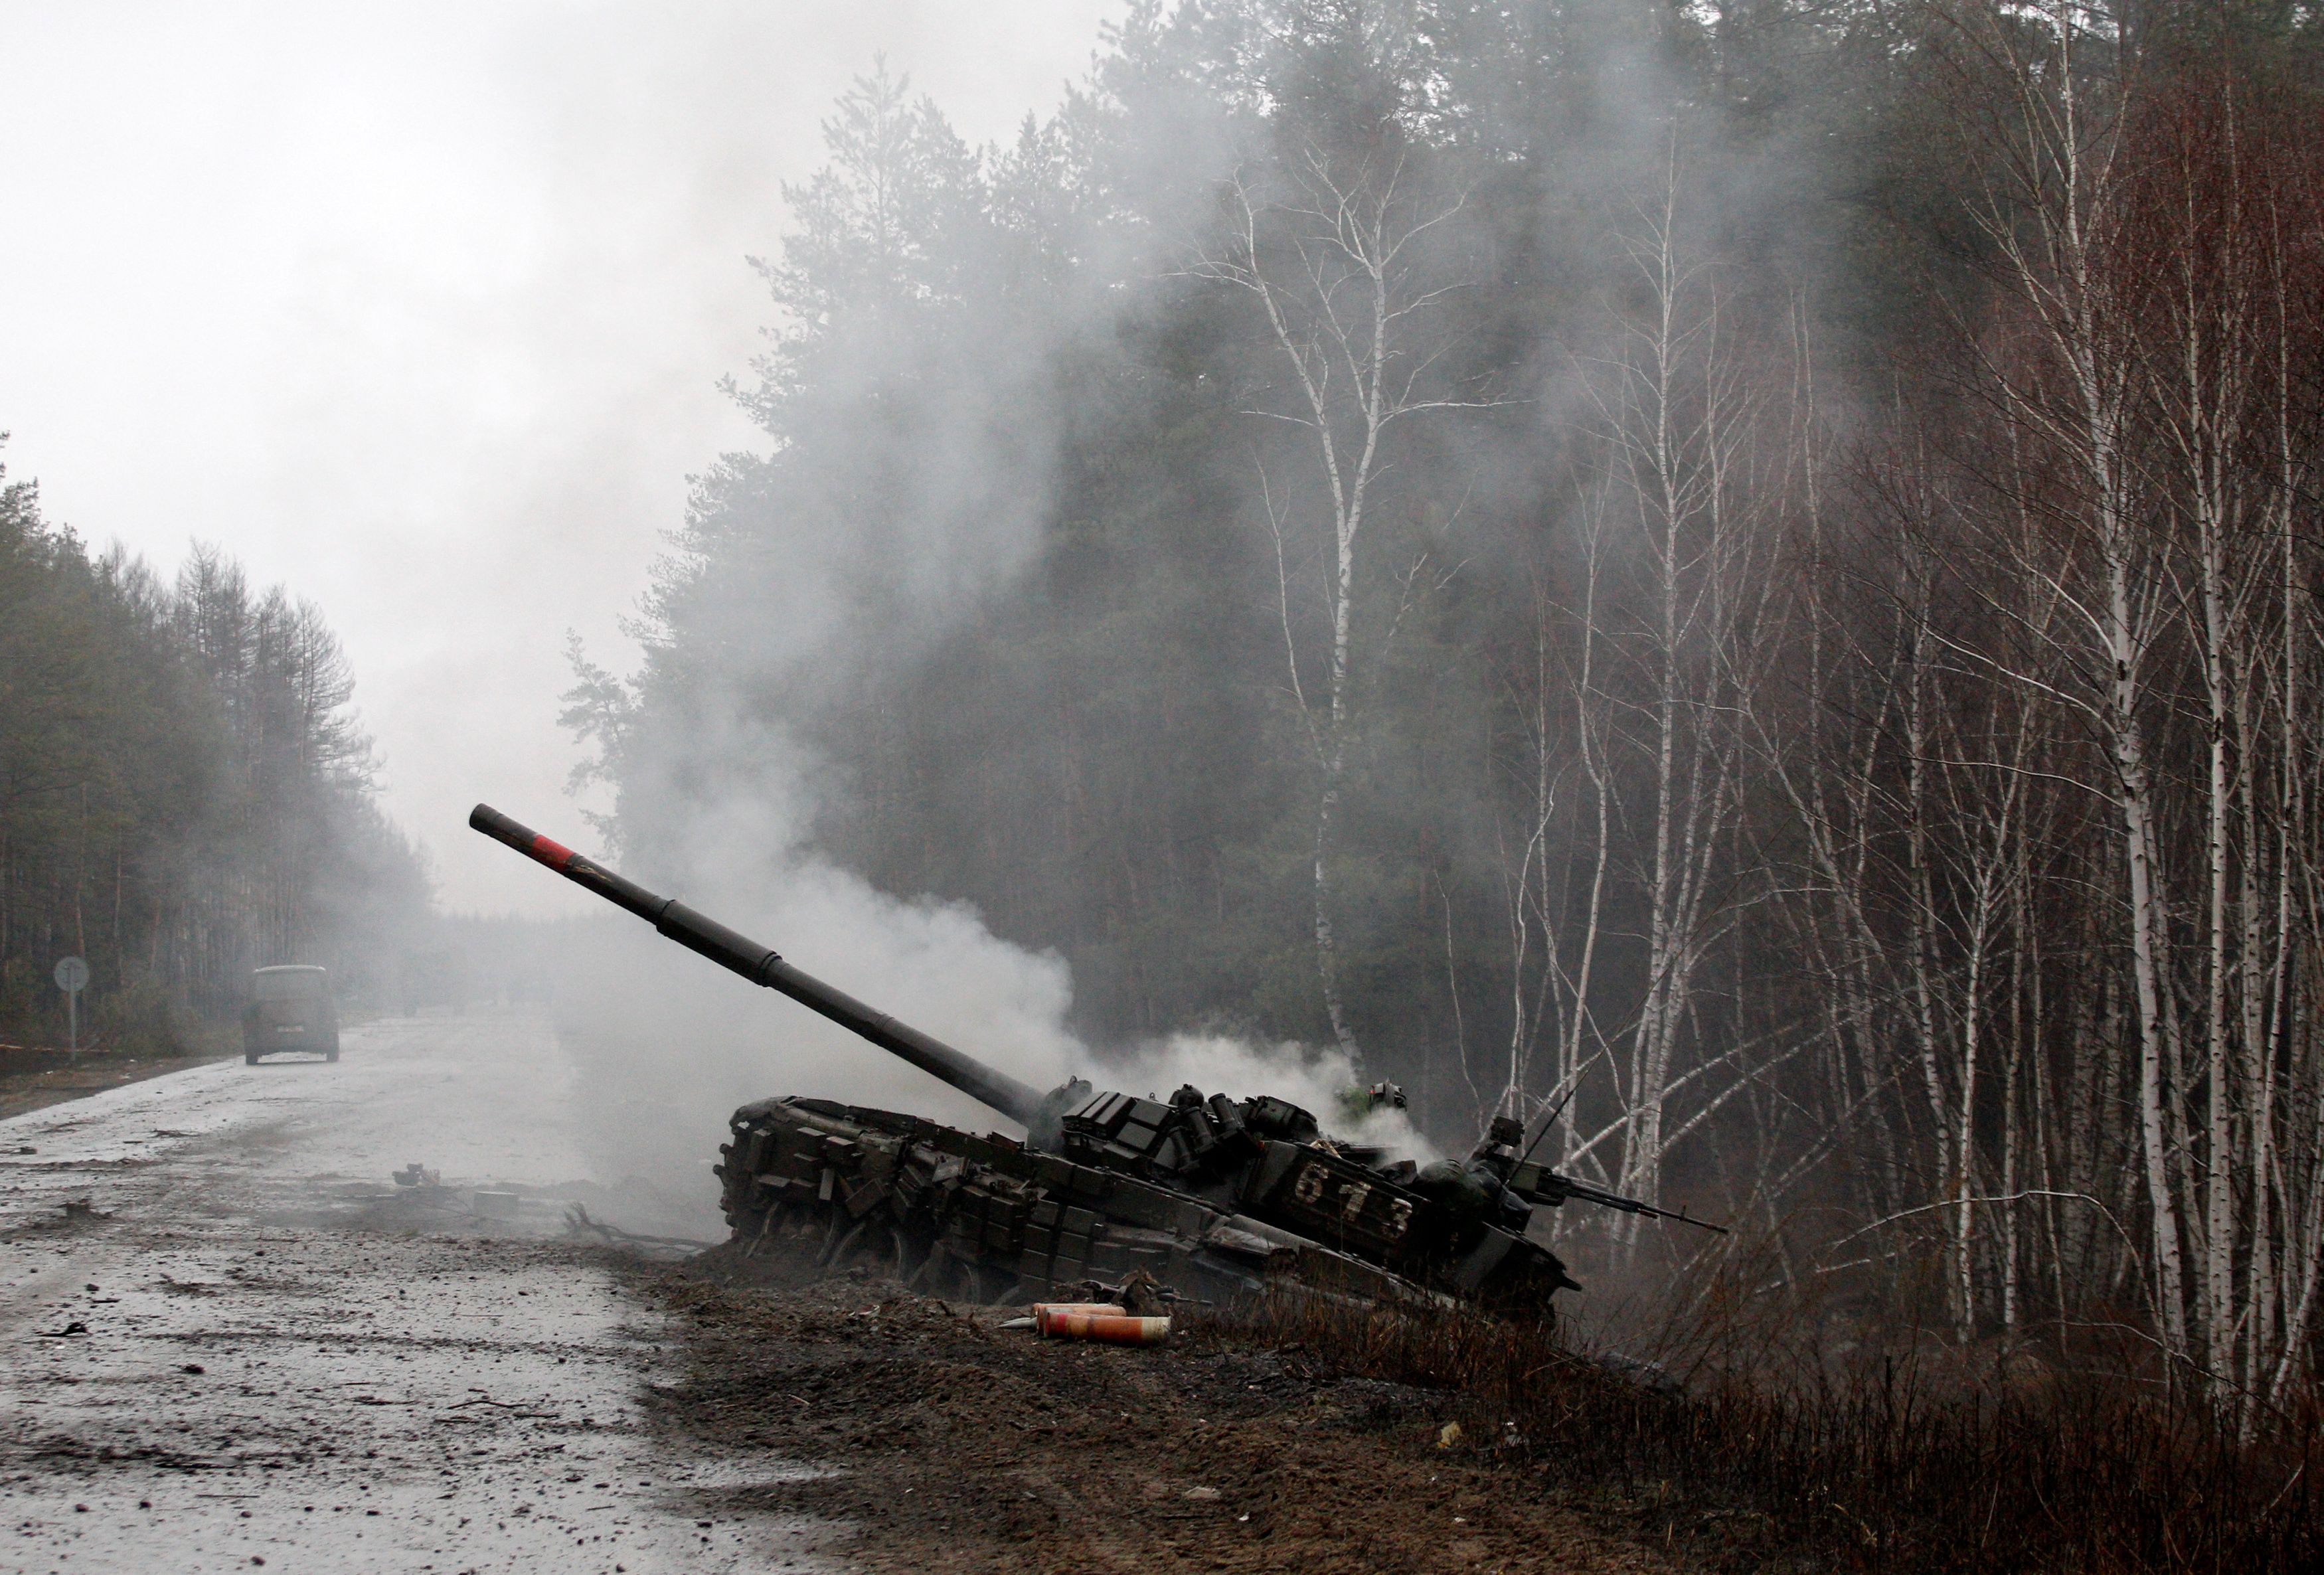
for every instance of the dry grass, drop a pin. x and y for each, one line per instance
(1759, 1444)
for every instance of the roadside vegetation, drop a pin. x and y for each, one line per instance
(1753, 1431)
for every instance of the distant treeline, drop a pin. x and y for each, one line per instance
(184, 793)
(1758, 565)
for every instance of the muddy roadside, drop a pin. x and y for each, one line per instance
(951, 1444)
(34, 1077)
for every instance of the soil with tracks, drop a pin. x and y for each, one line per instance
(951, 1444)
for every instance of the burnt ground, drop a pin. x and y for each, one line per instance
(949, 1443)
(32, 1078)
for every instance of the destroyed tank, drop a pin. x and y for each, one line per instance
(1198, 1196)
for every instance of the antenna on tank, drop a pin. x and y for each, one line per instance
(1545, 1126)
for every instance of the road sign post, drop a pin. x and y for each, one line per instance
(73, 977)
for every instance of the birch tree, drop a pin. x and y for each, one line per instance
(1675, 417)
(1334, 246)
(2049, 212)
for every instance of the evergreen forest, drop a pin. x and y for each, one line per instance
(184, 795)
(1747, 574)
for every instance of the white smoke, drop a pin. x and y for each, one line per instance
(669, 1044)
(1317, 1081)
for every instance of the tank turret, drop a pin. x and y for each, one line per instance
(1197, 1195)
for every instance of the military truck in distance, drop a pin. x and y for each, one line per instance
(290, 1008)
(1201, 1196)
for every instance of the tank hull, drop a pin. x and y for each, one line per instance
(1208, 1197)
(986, 1219)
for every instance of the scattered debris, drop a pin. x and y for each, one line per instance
(1648, 1376)
(1011, 1456)
(1109, 1329)
(1141, 1294)
(68, 1332)
(1449, 1436)
(416, 1175)
(578, 1223)
(1046, 1315)
(514, 1407)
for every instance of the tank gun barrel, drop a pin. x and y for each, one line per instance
(762, 965)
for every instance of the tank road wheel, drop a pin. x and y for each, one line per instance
(844, 1245)
(767, 1221)
(891, 1251)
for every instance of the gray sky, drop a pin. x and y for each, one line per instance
(420, 308)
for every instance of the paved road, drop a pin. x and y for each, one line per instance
(228, 1342)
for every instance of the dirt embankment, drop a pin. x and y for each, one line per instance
(32, 1078)
(951, 1445)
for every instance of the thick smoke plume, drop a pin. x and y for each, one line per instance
(1126, 487)
(668, 1044)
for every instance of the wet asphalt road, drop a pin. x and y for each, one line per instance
(251, 1349)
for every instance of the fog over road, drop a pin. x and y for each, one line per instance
(250, 1349)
